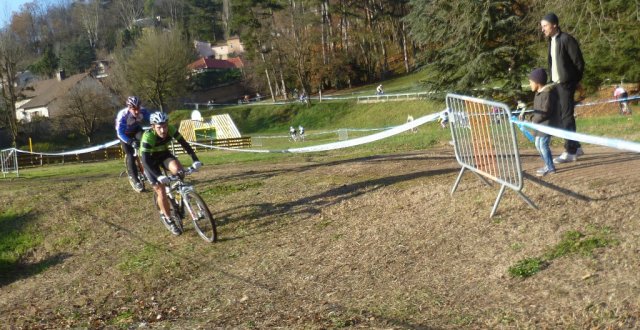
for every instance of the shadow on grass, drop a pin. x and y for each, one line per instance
(16, 240)
(262, 175)
(313, 204)
(591, 161)
(13, 271)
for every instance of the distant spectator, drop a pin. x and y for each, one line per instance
(301, 132)
(379, 90)
(293, 135)
(621, 94)
(410, 119)
(258, 96)
(304, 98)
(443, 119)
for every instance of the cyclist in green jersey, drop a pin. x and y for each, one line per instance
(154, 153)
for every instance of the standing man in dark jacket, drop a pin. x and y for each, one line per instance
(566, 66)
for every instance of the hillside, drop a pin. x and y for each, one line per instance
(368, 236)
(327, 241)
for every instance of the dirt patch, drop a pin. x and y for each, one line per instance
(319, 243)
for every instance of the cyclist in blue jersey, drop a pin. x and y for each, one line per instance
(154, 153)
(129, 131)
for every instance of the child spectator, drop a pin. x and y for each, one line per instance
(545, 105)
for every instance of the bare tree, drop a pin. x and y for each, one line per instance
(130, 10)
(89, 15)
(173, 9)
(87, 106)
(11, 53)
(157, 68)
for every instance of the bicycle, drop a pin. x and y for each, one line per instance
(184, 200)
(141, 177)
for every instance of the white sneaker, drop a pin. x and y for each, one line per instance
(565, 158)
(579, 152)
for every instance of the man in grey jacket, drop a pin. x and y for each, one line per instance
(566, 67)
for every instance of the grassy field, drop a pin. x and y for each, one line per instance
(368, 236)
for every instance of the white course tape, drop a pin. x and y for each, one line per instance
(73, 152)
(627, 99)
(323, 147)
(567, 135)
(324, 132)
(342, 144)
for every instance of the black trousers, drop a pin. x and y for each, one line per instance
(132, 167)
(566, 114)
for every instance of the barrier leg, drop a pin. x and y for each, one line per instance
(455, 185)
(526, 199)
(495, 205)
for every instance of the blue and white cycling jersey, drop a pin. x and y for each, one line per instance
(127, 125)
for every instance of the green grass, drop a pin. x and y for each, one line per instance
(527, 267)
(140, 260)
(614, 125)
(572, 243)
(272, 119)
(224, 190)
(17, 237)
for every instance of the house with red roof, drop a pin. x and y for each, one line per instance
(209, 64)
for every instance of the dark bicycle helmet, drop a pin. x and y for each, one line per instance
(158, 118)
(133, 101)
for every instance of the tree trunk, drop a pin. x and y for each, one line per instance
(405, 53)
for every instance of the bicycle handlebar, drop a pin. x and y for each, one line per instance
(187, 171)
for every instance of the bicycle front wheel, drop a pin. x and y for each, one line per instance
(201, 216)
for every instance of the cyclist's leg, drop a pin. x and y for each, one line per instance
(132, 168)
(172, 164)
(161, 199)
(152, 171)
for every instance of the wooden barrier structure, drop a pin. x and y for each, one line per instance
(241, 142)
(219, 127)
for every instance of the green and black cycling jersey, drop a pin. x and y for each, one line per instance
(154, 151)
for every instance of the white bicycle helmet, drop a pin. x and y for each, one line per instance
(158, 118)
(133, 101)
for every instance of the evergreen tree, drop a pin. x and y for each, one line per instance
(468, 43)
(47, 65)
(77, 56)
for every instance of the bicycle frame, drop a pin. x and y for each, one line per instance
(181, 195)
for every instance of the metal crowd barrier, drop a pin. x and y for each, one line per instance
(485, 143)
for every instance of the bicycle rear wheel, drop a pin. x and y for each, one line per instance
(137, 187)
(201, 216)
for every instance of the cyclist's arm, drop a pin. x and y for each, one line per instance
(146, 114)
(187, 147)
(121, 126)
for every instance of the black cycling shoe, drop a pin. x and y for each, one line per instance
(171, 225)
(174, 229)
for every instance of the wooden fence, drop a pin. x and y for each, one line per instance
(32, 160)
(115, 152)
